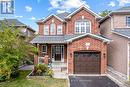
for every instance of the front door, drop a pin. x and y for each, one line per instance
(57, 53)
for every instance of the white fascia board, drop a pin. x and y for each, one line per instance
(120, 34)
(54, 16)
(104, 39)
(95, 14)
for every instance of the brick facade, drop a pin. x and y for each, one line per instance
(78, 16)
(79, 45)
(48, 22)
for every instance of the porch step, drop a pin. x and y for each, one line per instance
(59, 64)
(60, 75)
(60, 69)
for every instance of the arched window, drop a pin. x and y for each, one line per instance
(82, 26)
(52, 29)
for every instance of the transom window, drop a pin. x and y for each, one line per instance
(44, 49)
(128, 21)
(82, 26)
(46, 29)
(59, 29)
(52, 29)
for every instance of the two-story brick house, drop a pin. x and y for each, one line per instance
(73, 38)
(116, 26)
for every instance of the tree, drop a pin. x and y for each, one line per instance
(104, 13)
(13, 49)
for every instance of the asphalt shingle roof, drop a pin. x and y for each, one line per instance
(123, 31)
(62, 39)
(63, 15)
(123, 9)
(13, 22)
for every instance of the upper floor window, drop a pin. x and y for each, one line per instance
(128, 21)
(82, 26)
(52, 29)
(46, 29)
(59, 29)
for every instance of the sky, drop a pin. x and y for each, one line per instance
(29, 11)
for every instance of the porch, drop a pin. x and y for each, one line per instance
(54, 52)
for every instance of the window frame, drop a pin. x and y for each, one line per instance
(80, 26)
(53, 28)
(61, 28)
(45, 27)
(45, 47)
(40, 58)
(127, 23)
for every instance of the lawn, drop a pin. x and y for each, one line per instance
(23, 82)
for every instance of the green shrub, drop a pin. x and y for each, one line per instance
(40, 68)
(50, 72)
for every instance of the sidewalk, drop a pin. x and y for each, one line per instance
(27, 67)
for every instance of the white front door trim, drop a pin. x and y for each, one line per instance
(62, 57)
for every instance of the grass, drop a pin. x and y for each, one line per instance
(23, 82)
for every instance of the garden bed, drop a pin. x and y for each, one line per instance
(32, 76)
(40, 72)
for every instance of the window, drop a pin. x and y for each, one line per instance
(82, 27)
(46, 30)
(59, 29)
(44, 49)
(52, 29)
(41, 60)
(128, 21)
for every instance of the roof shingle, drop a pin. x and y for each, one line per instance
(123, 32)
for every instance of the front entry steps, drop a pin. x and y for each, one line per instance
(60, 70)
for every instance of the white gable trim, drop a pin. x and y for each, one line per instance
(51, 16)
(69, 16)
(121, 34)
(88, 34)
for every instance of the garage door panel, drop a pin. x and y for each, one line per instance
(87, 62)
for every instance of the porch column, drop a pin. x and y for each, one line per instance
(46, 59)
(36, 56)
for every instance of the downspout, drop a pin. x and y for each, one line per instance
(128, 60)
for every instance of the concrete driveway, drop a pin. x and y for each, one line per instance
(91, 81)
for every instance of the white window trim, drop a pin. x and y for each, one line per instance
(42, 48)
(126, 22)
(45, 28)
(85, 25)
(54, 29)
(61, 29)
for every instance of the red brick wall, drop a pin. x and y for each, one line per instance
(79, 45)
(78, 16)
(48, 22)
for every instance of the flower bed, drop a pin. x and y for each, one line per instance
(40, 71)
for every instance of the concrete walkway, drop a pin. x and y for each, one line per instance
(27, 67)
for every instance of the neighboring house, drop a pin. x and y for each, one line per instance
(73, 38)
(116, 26)
(25, 30)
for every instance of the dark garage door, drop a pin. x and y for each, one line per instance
(87, 63)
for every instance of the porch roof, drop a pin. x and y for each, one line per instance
(64, 39)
